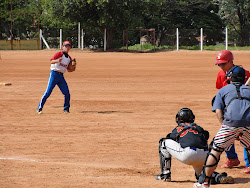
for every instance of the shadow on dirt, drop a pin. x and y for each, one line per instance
(241, 180)
(106, 112)
(129, 51)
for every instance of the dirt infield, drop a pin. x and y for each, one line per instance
(121, 105)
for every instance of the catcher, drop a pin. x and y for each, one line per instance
(60, 62)
(187, 143)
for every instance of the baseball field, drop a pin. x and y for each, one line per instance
(121, 105)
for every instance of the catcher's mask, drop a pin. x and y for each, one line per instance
(184, 115)
(237, 74)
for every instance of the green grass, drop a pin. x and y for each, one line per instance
(216, 48)
(149, 47)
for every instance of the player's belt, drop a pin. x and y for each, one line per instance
(58, 72)
(193, 148)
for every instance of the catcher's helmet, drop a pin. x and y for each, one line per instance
(224, 56)
(237, 74)
(184, 115)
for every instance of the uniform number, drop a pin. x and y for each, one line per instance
(186, 131)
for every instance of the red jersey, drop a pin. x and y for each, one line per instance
(222, 80)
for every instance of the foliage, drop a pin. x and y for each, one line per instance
(24, 16)
(114, 16)
(236, 15)
(184, 14)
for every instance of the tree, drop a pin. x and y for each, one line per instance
(190, 15)
(24, 17)
(115, 15)
(4, 20)
(236, 15)
(107, 14)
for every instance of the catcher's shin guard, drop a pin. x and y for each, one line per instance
(165, 163)
(203, 175)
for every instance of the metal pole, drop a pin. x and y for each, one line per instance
(44, 39)
(154, 39)
(201, 40)
(127, 39)
(105, 41)
(40, 37)
(38, 12)
(123, 38)
(79, 33)
(82, 39)
(60, 45)
(177, 39)
(226, 39)
(11, 20)
(140, 40)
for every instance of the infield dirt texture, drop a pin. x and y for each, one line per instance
(121, 105)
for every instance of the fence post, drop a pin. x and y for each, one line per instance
(79, 33)
(201, 40)
(60, 45)
(177, 39)
(226, 39)
(41, 42)
(82, 39)
(105, 42)
(41, 34)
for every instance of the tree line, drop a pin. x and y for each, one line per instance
(118, 15)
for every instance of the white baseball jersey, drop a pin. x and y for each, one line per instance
(60, 66)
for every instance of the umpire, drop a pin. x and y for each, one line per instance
(232, 108)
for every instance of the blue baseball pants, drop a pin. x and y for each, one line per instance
(56, 78)
(231, 154)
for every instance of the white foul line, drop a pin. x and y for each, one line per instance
(17, 159)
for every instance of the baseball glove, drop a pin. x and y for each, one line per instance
(72, 66)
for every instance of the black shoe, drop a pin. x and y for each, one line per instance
(39, 111)
(164, 177)
(66, 111)
(225, 179)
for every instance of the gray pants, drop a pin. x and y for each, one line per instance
(194, 157)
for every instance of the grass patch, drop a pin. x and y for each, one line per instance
(149, 47)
